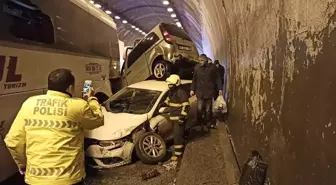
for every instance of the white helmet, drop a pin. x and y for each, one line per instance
(174, 80)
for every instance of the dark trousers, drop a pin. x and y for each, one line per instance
(179, 131)
(204, 107)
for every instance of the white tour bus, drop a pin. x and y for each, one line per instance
(37, 38)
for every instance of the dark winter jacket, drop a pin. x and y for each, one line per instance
(178, 101)
(205, 80)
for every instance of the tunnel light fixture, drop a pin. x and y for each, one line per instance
(92, 2)
(179, 24)
(116, 17)
(124, 21)
(173, 15)
(165, 2)
(108, 12)
(170, 9)
(133, 26)
(137, 29)
(98, 5)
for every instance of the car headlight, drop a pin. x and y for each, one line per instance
(112, 144)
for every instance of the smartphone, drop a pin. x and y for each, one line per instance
(87, 85)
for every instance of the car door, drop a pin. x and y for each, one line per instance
(193, 107)
(136, 65)
(164, 125)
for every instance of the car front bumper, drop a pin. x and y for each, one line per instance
(120, 156)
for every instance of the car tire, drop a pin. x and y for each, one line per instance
(161, 70)
(145, 151)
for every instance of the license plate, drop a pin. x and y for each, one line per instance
(186, 48)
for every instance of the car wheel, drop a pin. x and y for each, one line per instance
(151, 148)
(161, 70)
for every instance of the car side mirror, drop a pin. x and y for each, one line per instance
(163, 110)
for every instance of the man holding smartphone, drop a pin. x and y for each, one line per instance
(47, 136)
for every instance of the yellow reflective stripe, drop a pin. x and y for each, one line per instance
(185, 104)
(45, 171)
(174, 118)
(178, 153)
(53, 171)
(167, 101)
(174, 158)
(50, 123)
(183, 111)
(178, 146)
(175, 105)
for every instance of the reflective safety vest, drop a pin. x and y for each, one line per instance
(178, 102)
(47, 137)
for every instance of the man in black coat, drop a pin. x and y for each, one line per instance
(205, 80)
(220, 70)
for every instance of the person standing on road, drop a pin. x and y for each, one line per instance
(178, 102)
(47, 136)
(220, 70)
(204, 82)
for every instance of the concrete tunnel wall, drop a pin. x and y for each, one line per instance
(281, 58)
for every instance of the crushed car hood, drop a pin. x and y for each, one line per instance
(116, 126)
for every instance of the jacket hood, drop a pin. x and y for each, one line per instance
(116, 126)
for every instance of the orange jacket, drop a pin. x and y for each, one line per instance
(47, 137)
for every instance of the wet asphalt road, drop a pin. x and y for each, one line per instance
(130, 175)
(125, 175)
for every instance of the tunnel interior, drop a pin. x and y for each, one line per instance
(279, 59)
(279, 64)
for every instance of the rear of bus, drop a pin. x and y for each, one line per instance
(35, 41)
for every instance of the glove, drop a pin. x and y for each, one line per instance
(182, 120)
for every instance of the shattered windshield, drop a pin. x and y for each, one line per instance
(134, 101)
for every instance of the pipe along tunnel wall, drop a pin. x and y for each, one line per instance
(280, 56)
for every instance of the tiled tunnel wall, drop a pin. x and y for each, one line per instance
(282, 84)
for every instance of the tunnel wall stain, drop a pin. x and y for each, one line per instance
(282, 78)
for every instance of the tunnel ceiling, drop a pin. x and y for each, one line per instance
(145, 14)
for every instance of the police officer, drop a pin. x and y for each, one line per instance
(47, 135)
(178, 102)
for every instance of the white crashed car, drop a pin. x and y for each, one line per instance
(133, 122)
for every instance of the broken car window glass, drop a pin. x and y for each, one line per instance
(134, 101)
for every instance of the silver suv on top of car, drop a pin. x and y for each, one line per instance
(154, 55)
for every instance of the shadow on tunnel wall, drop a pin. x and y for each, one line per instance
(282, 83)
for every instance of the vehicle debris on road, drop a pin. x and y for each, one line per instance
(170, 166)
(150, 174)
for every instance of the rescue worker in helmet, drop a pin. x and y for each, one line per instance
(178, 102)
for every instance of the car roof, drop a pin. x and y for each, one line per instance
(155, 85)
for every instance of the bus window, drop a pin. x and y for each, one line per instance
(26, 21)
